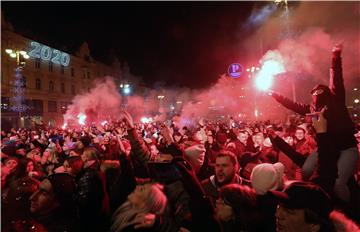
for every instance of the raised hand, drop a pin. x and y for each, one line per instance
(129, 122)
(166, 132)
(320, 122)
(338, 48)
(143, 220)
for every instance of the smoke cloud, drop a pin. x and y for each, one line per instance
(303, 38)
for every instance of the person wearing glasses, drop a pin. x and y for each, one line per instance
(340, 129)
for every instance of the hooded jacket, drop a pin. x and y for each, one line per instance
(340, 126)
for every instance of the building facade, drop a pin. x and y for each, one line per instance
(51, 78)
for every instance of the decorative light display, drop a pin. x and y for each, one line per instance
(19, 91)
(46, 53)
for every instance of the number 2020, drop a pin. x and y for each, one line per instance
(46, 53)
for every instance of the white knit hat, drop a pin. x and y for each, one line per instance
(195, 154)
(266, 176)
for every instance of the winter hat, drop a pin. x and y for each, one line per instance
(195, 155)
(37, 144)
(266, 176)
(9, 150)
(86, 140)
(194, 151)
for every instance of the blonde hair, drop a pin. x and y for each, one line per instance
(91, 153)
(157, 200)
(342, 223)
(126, 213)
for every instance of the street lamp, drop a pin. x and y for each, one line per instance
(125, 91)
(17, 54)
(19, 88)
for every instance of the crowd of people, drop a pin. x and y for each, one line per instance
(299, 175)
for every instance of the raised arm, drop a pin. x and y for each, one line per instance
(299, 108)
(290, 152)
(139, 150)
(336, 83)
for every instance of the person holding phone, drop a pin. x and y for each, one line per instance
(331, 101)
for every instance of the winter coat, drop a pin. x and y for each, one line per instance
(91, 198)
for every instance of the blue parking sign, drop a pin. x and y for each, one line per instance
(235, 70)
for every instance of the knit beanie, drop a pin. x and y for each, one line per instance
(195, 154)
(266, 176)
(9, 150)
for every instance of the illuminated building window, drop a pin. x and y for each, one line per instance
(37, 63)
(63, 107)
(52, 106)
(62, 88)
(5, 104)
(51, 87)
(72, 72)
(62, 69)
(38, 84)
(50, 67)
(73, 89)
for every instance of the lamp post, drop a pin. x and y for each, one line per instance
(125, 91)
(18, 98)
(161, 98)
(252, 73)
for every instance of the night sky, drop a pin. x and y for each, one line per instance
(173, 43)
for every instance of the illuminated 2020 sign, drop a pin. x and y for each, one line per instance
(44, 52)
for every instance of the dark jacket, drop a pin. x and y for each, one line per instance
(59, 221)
(177, 195)
(201, 208)
(91, 198)
(340, 126)
(267, 205)
(211, 187)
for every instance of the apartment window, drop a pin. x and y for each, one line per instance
(88, 75)
(36, 107)
(51, 87)
(50, 66)
(64, 106)
(62, 88)
(62, 69)
(37, 63)
(73, 89)
(5, 104)
(72, 72)
(38, 84)
(52, 106)
(84, 75)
